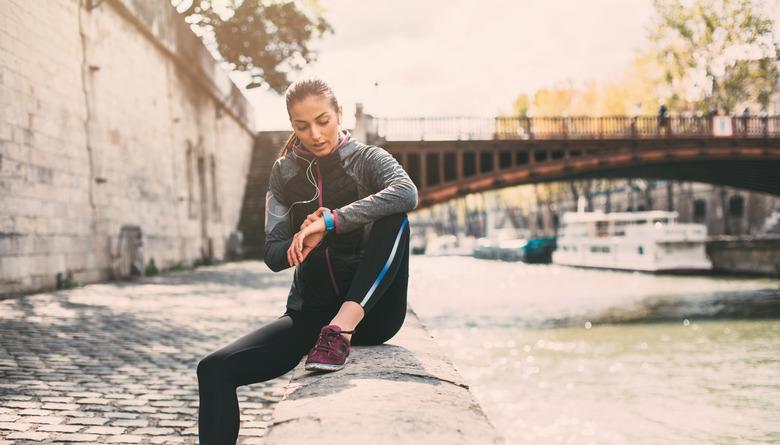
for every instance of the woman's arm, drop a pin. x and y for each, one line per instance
(278, 235)
(396, 193)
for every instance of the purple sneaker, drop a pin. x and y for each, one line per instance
(331, 350)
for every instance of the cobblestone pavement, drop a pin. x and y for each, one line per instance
(116, 362)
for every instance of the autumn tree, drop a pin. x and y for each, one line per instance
(268, 40)
(717, 53)
(636, 92)
(521, 106)
(554, 101)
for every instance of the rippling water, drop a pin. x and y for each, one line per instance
(560, 355)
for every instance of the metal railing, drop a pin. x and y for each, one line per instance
(574, 127)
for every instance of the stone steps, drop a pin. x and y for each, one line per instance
(252, 221)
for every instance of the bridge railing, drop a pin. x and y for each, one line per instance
(574, 127)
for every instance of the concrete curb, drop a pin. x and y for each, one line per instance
(404, 391)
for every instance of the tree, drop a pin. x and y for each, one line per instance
(633, 93)
(718, 53)
(555, 101)
(268, 40)
(521, 106)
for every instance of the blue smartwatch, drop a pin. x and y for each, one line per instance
(328, 217)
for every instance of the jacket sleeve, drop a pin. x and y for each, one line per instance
(395, 191)
(278, 235)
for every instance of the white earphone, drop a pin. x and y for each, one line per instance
(310, 177)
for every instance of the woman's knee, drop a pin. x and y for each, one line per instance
(387, 227)
(211, 365)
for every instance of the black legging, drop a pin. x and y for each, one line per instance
(277, 347)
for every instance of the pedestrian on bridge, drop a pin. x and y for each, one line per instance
(663, 120)
(336, 211)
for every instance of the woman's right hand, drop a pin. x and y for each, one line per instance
(313, 217)
(310, 241)
(312, 237)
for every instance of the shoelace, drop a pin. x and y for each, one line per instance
(326, 341)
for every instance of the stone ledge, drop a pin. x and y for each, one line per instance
(405, 391)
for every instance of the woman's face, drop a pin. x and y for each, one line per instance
(316, 124)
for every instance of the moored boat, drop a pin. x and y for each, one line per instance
(651, 241)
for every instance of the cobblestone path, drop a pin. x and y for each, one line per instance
(116, 362)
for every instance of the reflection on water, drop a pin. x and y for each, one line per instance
(558, 355)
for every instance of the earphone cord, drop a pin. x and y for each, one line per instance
(310, 177)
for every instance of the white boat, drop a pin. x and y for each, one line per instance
(651, 241)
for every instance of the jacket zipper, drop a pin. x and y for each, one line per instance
(327, 252)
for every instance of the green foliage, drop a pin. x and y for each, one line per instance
(206, 261)
(180, 267)
(716, 54)
(66, 281)
(151, 268)
(269, 40)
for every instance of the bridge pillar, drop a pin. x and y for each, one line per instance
(441, 168)
(423, 169)
(459, 165)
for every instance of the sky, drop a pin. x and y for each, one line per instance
(412, 58)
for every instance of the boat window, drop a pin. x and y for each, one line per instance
(602, 228)
(736, 206)
(661, 221)
(641, 250)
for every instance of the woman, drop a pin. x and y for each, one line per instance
(336, 211)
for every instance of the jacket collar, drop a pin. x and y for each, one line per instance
(301, 151)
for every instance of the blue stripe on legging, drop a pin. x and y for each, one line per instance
(387, 264)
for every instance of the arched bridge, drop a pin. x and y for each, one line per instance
(451, 157)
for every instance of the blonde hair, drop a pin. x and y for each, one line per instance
(300, 90)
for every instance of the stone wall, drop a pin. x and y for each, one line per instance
(112, 116)
(745, 255)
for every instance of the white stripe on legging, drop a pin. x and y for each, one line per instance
(387, 264)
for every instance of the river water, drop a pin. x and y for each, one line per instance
(560, 355)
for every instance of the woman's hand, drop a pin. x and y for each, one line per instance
(313, 217)
(309, 237)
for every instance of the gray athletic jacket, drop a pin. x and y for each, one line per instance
(360, 184)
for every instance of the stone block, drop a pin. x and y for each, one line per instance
(407, 391)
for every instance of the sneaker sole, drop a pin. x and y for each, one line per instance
(324, 366)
